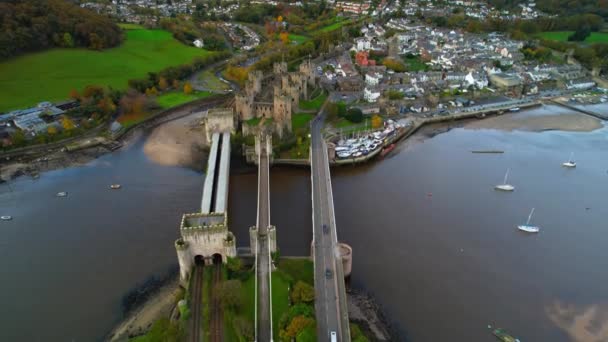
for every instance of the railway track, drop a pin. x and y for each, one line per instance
(216, 325)
(197, 292)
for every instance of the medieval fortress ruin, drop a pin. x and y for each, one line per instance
(274, 96)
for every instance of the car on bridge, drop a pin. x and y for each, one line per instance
(328, 273)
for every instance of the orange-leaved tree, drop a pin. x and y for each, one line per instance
(187, 88)
(284, 37)
(163, 84)
(376, 121)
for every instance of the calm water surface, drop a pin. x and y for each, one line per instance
(444, 265)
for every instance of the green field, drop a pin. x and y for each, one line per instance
(334, 26)
(175, 98)
(415, 64)
(50, 75)
(298, 39)
(562, 36)
(314, 104)
(209, 81)
(300, 120)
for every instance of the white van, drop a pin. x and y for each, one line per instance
(333, 336)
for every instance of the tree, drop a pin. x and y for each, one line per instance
(152, 92)
(354, 115)
(175, 84)
(67, 40)
(106, 105)
(376, 121)
(244, 328)
(229, 293)
(187, 88)
(18, 138)
(296, 326)
(580, 34)
(67, 123)
(163, 84)
(234, 264)
(302, 293)
(51, 130)
(284, 36)
(74, 94)
(95, 42)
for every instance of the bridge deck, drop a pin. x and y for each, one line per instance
(210, 175)
(330, 291)
(221, 191)
(263, 268)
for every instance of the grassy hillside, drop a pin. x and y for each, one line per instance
(50, 75)
(562, 36)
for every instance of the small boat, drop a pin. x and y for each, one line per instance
(503, 336)
(505, 186)
(487, 151)
(515, 109)
(387, 150)
(570, 163)
(527, 227)
(6, 218)
(62, 194)
(115, 186)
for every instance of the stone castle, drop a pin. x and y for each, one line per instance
(275, 96)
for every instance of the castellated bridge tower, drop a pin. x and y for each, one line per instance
(205, 234)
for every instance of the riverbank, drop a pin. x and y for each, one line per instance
(160, 305)
(37, 159)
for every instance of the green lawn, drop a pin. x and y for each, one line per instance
(562, 36)
(176, 98)
(50, 75)
(298, 270)
(334, 26)
(297, 38)
(280, 298)
(349, 127)
(300, 120)
(415, 64)
(314, 104)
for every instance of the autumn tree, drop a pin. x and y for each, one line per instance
(74, 94)
(163, 84)
(93, 91)
(67, 123)
(376, 121)
(229, 293)
(175, 84)
(106, 105)
(51, 130)
(296, 326)
(153, 92)
(95, 42)
(187, 88)
(284, 36)
(302, 293)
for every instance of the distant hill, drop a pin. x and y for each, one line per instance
(33, 25)
(561, 7)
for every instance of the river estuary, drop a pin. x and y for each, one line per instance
(433, 242)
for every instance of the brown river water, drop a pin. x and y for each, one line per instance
(433, 242)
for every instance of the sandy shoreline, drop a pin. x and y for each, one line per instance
(141, 319)
(545, 118)
(177, 143)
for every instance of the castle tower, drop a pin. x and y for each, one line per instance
(279, 68)
(243, 106)
(307, 69)
(255, 77)
(282, 112)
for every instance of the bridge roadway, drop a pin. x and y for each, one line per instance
(263, 259)
(330, 292)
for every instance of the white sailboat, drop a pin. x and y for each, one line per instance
(505, 186)
(527, 227)
(570, 163)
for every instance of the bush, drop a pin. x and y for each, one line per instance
(354, 115)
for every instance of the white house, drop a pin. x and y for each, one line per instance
(371, 95)
(199, 43)
(373, 78)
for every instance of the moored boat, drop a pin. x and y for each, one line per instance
(527, 227)
(387, 150)
(503, 336)
(62, 194)
(115, 186)
(6, 217)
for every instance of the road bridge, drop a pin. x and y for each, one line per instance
(328, 255)
(263, 244)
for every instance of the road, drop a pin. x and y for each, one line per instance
(264, 309)
(329, 279)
